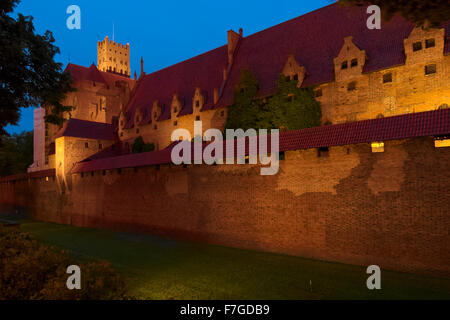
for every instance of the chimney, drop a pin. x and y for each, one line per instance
(142, 65)
(233, 40)
(135, 75)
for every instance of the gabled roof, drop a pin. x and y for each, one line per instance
(413, 125)
(204, 71)
(93, 74)
(314, 39)
(86, 129)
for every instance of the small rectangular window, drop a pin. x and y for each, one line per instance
(296, 77)
(417, 46)
(351, 86)
(387, 77)
(344, 65)
(318, 93)
(197, 103)
(86, 145)
(430, 69)
(354, 63)
(429, 43)
(175, 123)
(323, 152)
(100, 146)
(197, 118)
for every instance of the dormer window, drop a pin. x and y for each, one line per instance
(354, 63)
(344, 65)
(429, 43)
(417, 46)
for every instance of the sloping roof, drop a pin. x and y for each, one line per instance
(86, 129)
(93, 74)
(204, 71)
(314, 39)
(413, 125)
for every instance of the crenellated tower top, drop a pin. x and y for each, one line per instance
(113, 57)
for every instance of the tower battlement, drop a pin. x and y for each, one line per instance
(113, 57)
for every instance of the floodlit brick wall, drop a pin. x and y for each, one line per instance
(350, 205)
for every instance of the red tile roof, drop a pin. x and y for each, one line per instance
(93, 74)
(87, 129)
(204, 71)
(431, 123)
(314, 39)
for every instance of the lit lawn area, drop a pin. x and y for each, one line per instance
(157, 268)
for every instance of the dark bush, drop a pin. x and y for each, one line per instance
(32, 270)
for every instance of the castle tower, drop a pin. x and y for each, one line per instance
(113, 57)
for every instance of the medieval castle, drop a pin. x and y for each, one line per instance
(368, 186)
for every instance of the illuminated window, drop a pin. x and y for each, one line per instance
(430, 69)
(417, 46)
(441, 143)
(377, 147)
(429, 43)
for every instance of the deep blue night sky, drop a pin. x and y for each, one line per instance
(163, 32)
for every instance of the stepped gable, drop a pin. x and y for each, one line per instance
(315, 39)
(203, 71)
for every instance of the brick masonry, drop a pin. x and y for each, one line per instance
(351, 206)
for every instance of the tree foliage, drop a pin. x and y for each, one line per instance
(16, 153)
(291, 107)
(29, 76)
(140, 146)
(420, 12)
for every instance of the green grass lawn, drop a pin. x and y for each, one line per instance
(157, 268)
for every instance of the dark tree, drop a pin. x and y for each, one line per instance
(16, 153)
(29, 75)
(421, 12)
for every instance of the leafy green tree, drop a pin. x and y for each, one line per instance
(291, 107)
(29, 76)
(421, 12)
(16, 153)
(140, 146)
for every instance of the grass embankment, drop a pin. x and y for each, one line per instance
(157, 268)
